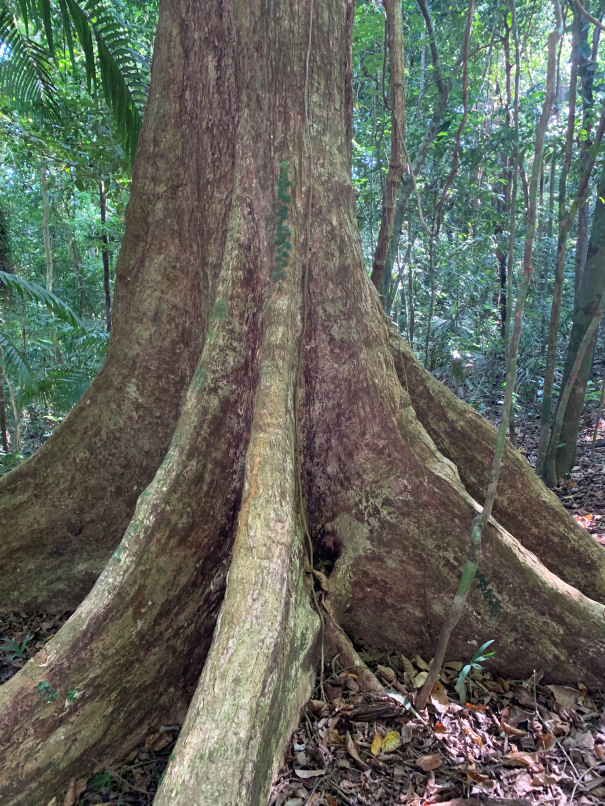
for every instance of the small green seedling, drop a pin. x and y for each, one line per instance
(48, 691)
(16, 650)
(100, 781)
(476, 662)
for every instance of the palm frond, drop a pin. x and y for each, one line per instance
(123, 82)
(61, 388)
(15, 363)
(25, 67)
(26, 70)
(36, 293)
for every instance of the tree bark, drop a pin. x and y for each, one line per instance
(305, 434)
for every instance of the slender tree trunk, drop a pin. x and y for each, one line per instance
(76, 257)
(586, 76)
(105, 255)
(513, 193)
(3, 431)
(298, 439)
(428, 361)
(557, 294)
(46, 228)
(410, 298)
(77, 264)
(394, 23)
(501, 257)
(5, 250)
(444, 87)
(16, 416)
(591, 292)
(5, 265)
(581, 251)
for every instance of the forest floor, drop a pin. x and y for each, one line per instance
(504, 742)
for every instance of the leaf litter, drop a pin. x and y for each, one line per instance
(513, 741)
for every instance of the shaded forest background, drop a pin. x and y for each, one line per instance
(454, 260)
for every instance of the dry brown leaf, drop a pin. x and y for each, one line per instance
(352, 749)
(524, 696)
(428, 763)
(420, 678)
(334, 738)
(590, 786)
(163, 740)
(568, 697)
(545, 741)
(472, 735)
(478, 777)
(386, 672)
(74, 790)
(544, 779)
(523, 784)
(323, 580)
(308, 773)
(439, 698)
(316, 706)
(421, 664)
(440, 727)
(582, 739)
(518, 758)
(511, 730)
(70, 795)
(408, 670)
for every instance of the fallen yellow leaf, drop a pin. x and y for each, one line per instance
(391, 741)
(376, 745)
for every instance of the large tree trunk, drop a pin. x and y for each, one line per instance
(306, 421)
(64, 511)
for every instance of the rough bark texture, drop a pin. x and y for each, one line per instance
(306, 419)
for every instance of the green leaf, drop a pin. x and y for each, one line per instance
(36, 293)
(26, 75)
(15, 363)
